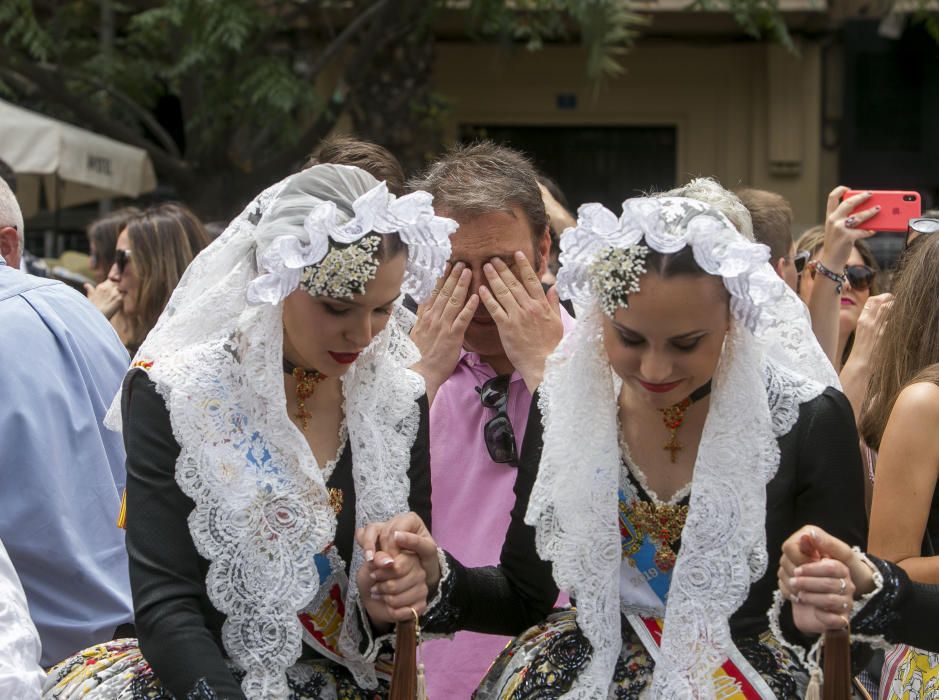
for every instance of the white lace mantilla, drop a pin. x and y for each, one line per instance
(289, 244)
(262, 509)
(766, 371)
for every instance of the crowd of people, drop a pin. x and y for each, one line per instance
(655, 452)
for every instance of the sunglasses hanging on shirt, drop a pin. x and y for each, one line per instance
(498, 432)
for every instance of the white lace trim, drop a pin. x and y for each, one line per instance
(875, 641)
(641, 479)
(769, 366)
(809, 658)
(292, 248)
(262, 509)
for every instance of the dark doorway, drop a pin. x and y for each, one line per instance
(594, 163)
(888, 133)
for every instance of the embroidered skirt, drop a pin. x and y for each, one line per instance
(909, 674)
(117, 671)
(545, 661)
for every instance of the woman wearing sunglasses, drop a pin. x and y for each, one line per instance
(104, 294)
(269, 413)
(152, 252)
(837, 249)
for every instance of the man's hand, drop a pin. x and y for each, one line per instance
(105, 297)
(529, 322)
(440, 327)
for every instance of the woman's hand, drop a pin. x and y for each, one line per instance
(857, 371)
(843, 227)
(105, 297)
(401, 569)
(870, 326)
(821, 576)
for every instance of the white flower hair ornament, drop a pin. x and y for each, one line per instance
(328, 256)
(603, 257)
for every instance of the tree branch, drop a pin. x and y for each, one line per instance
(166, 141)
(344, 37)
(283, 161)
(175, 169)
(286, 159)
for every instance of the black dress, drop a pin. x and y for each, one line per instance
(179, 630)
(903, 612)
(819, 481)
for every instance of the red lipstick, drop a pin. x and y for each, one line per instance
(344, 358)
(659, 388)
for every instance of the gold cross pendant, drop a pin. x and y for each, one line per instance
(673, 445)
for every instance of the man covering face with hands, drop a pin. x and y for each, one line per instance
(484, 338)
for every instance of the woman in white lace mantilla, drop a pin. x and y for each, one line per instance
(269, 414)
(691, 423)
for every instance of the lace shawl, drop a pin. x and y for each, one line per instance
(770, 364)
(262, 508)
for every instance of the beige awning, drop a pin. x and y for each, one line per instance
(74, 166)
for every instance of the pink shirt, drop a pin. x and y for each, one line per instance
(473, 499)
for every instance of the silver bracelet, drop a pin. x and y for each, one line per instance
(839, 280)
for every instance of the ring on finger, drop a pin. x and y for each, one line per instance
(850, 222)
(846, 623)
(843, 586)
(844, 605)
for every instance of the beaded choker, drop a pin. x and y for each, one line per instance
(674, 416)
(307, 381)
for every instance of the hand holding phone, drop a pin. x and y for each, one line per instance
(897, 207)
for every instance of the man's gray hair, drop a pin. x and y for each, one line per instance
(482, 178)
(10, 213)
(709, 191)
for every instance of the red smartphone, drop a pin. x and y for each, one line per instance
(896, 209)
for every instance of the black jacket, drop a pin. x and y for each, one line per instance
(179, 630)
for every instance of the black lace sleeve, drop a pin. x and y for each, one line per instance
(520, 591)
(176, 624)
(902, 612)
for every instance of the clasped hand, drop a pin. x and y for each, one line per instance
(401, 570)
(821, 576)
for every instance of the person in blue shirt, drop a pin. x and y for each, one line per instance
(61, 471)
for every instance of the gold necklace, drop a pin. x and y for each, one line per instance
(307, 381)
(663, 523)
(674, 416)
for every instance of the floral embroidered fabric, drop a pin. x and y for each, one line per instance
(546, 660)
(117, 671)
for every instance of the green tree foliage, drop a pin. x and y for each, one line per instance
(257, 83)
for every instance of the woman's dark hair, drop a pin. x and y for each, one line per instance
(103, 232)
(389, 245)
(164, 239)
(376, 160)
(673, 264)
